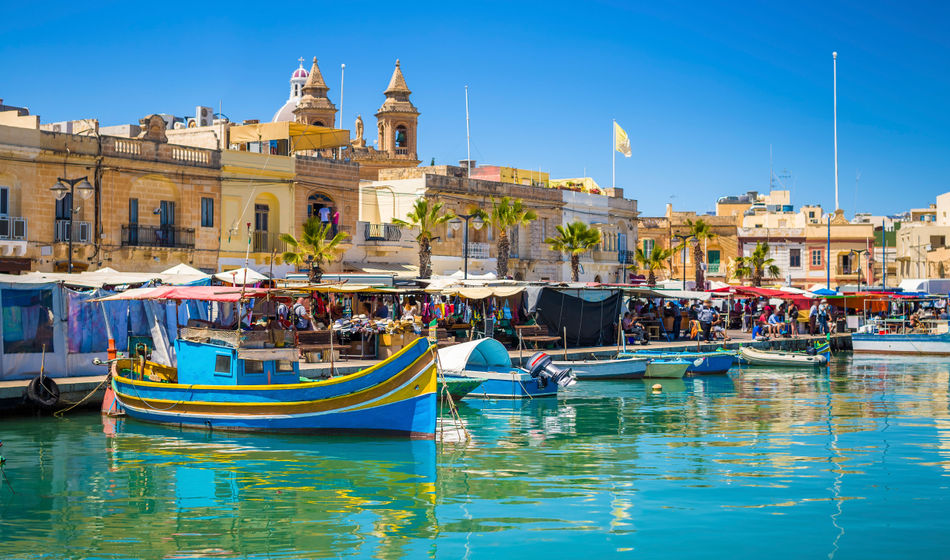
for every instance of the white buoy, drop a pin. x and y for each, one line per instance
(657, 387)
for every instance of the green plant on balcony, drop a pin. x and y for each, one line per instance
(314, 249)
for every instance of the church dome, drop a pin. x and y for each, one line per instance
(300, 73)
(286, 113)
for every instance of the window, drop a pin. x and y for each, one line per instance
(4, 201)
(207, 212)
(846, 264)
(64, 207)
(795, 258)
(285, 365)
(402, 139)
(648, 245)
(261, 217)
(133, 211)
(811, 213)
(253, 366)
(222, 363)
(166, 212)
(816, 257)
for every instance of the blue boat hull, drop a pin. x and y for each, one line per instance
(397, 397)
(496, 385)
(710, 362)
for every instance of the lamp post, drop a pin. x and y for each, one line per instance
(60, 190)
(455, 223)
(683, 239)
(858, 253)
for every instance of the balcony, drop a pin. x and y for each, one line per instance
(81, 232)
(382, 232)
(267, 242)
(12, 229)
(348, 230)
(172, 237)
(478, 250)
(626, 256)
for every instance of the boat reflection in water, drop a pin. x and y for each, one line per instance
(252, 493)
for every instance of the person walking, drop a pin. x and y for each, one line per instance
(812, 316)
(706, 316)
(824, 311)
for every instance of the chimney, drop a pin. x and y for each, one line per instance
(669, 209)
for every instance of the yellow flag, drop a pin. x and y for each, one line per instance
(621, 142)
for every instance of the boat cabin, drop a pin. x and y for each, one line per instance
(219, 357)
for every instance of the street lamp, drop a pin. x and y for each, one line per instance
(858, 253)
(684, 239)
(60, 190)
(456, 222)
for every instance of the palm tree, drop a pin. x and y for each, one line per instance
(575, 239)
(701, 232)
(316, 248)
(425, 216)
(505, 213)
(757, 265)
(653, 261)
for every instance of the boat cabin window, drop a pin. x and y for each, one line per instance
(285, 365)
(222, 364)
(253, 366)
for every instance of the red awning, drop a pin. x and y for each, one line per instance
(799, 299)
(199, 293)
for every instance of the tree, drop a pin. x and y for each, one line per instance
(653, 261)
(505, 213)
(426, 216)
(701, 232)
(757, 265)
(315, 248)
(575, 239)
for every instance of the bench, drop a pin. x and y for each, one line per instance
(534, 333)
(315, 341)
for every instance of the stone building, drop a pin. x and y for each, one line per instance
(395, 191)
(151, 204)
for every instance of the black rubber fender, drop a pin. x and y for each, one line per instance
(43, 392)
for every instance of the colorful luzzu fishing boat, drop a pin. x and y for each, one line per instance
(250, 380)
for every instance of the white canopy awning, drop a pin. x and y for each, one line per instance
(241, 276)
(482, 354)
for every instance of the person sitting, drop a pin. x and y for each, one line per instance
(382, 311)
(718, 330)
(637, 333)
(627, 322)
(776, 323)
(914, 323)
(760, 330)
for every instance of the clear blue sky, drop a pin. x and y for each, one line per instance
(702, 88)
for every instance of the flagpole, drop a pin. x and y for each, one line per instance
(613, 151)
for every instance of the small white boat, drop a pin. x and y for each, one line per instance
(630, 367)
(667, 369)
(487, 360)
(757, 357)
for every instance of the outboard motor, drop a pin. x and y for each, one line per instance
(540, 367)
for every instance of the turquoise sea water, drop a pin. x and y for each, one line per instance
(847, 463)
